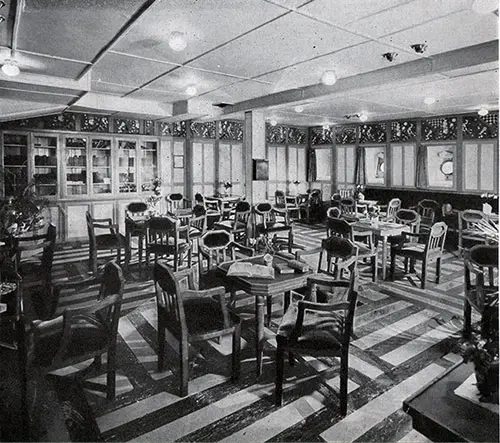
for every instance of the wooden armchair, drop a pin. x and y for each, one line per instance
(271, 221)
(240, 225)
(288, 203)
(80, 334)
(468, 229)
(176, 201)
(428, 249)
(136, 215)
(192, 316)
(110, 240)
(320, 329)
(389, 210)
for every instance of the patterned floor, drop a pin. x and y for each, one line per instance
(404, 337)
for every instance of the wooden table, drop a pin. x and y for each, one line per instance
(261, 289)
(441, 415)
(384, 230)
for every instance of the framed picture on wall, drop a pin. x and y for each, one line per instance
(441, 166)
(178, 161)
(375, 165)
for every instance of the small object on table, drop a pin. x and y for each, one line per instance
(283, 268)
(253, 270)
(3, 307)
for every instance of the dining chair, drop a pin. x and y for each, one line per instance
(240, 225)
(136, 215)
(272, 221)
(212, 207)
(427, 209)
(481, 292)
(192, 316)
(110, 240)
(335, 200)
(319, 329)
(166, 237)
(392, 207)
(468, 227)
(175, 201)
(428, 249)
(82, 333)
(313, 206)
(333, 212)
(287, 203)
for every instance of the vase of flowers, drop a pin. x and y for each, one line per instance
(155, 198)
(227, 187)
(359, 192)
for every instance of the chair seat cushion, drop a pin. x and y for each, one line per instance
(320, 330)
(411, 249)
(104, 241)
(272, 227)
(88, 334)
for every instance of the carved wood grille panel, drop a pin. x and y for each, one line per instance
(231, 130)
(374, 133)
(320, 136)
(95, 123)
(65, 121)
(345, 135)
(177, 129)
(127, 126)
(203, 129)
(276, 134)
(297, 136)
(444, 128)
(480, 127)
(403, 131)
(149, 127)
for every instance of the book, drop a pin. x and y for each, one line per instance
(245, 269)
(283, 268)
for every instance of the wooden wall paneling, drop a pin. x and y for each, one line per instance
(76, 224)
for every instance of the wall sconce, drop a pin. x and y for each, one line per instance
(2, 18)
(390, 56)
(419, 48)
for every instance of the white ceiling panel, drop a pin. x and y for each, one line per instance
(407, 16)
(110, 88)
(206, 24)
(288, 40)
(443, 35)
(11, 109)
(118, 68)
(240, 91)
(157, 95)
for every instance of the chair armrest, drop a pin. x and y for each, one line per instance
(108, 226)
(325, 307)
(21, 248)
(101, 220)
(242, 248)
(303, 252)
(96, 306)
(213, 292)
(419, 235)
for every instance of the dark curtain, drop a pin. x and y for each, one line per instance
(311, 165)
(421, 180)
(360, 166)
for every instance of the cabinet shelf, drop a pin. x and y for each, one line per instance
(14, 145)
(46, 166)
(14, 166)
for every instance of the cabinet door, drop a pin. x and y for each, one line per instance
(127, 166)
(149, 164)
(15, 162)
(45, 163)
(76, 165)
(101, 165)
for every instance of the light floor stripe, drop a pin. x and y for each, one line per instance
(420, 344)
(385, 311)
(414, 437)
(150, 404)
(207, 415)
(280, 420)
(393, 329)
(363, 419)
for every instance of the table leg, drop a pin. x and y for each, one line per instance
(384, 257)
(259, 331)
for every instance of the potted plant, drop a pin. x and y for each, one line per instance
(153, 200)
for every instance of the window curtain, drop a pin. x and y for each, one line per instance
(360, 166)
(311, 165)
(421, 180)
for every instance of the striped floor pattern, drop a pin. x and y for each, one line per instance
(403, 338)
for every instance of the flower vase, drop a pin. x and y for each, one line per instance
(487, 380)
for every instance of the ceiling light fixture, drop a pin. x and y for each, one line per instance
(326, 126)
(10, 68)
(299, 108)
(483, 111)
(484, 6)
(390, 56)
(2, 4)
(273, 122)
(329, 78)
(429, 100)
(2, 18)
(191, 90)
(177, 41)
(363, 117)
(419, 48)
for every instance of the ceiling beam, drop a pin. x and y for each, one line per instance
(439, 63)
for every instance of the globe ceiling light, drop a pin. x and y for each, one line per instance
(326, 126)
(299, 108)
(482, 111)
(10, 68)
(484, 6)
(191, 90)
(273, 122)
(177, 41)
(363, 117)
(329, 78)
(429, 100)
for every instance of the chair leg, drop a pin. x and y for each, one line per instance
(374, 268)
(406, 265)
(393, 264)
(235, 375)
(184, 368)
(280, 368)
(269, 303)
(424, 274)
(344, 372)
(161, 346)
(412, 266)
(467, 319)
(438, 269)
(291, 358)
(93, 261)
(111, 373)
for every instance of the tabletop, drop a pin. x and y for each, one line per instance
(381, 228)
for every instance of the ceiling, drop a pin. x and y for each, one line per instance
(113, 57)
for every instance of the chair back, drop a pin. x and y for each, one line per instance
(163, 235)
(215, 247)
(335, 200)
(469, 218)
(410, 218)
(340, 253)
(427, 209)
(333, 212)
(344, 193)
(136, 209)
(279, 199)
(112, 286)
(199, 219)
(91, 230)
(242, 214)
(175, 201)
(436, 239)
(348, 206)
(338, 228)
(264, 211)
(392, 208)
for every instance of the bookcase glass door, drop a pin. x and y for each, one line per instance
(45, 164)
(127, 165)
(149, 164)
(76, 165)
(101, 166)
(15, 161)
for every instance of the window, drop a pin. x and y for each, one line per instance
(323, 170)
(277, 169)
(203, 168)
(403, 165)
(231, 166)
(345, 166)
(297, 170)
(375, 165)
(479, 159)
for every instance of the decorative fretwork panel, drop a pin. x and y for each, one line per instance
(444, 128)
(231, 130)
(127, 126)
(95, 123)
(276, 134)
(480, 127)
(403, 131)
(65, 121)
(373, 133)
(149, 127)
(320, 136)
(345, 135)
(177, 129)
(203, 129)
(297, 136)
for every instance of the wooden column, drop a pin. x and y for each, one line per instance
(254, 146)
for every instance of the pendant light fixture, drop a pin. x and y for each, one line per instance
(177, 41)
(10, 68)
(482, 111)
(329, 78)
